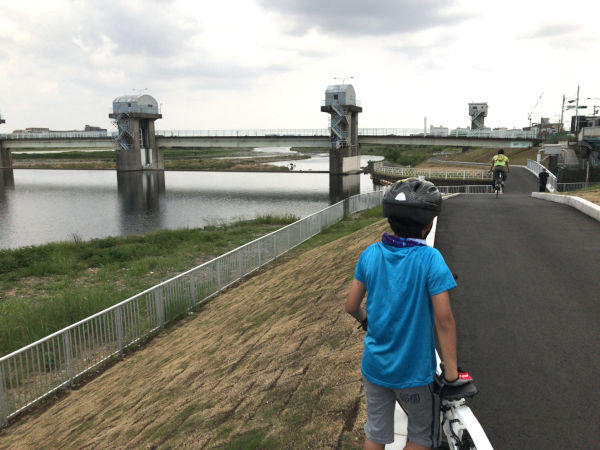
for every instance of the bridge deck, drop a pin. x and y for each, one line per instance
(527, 312)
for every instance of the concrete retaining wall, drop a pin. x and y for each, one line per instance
(586, 207)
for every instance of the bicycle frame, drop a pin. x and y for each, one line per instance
(457, 418)
(458, 423)
(498, 178)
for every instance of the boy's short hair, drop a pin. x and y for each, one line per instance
(406, 227)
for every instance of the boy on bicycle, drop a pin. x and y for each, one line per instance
(500, 164)
(407, 284)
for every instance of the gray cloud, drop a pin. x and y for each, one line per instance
(553, 30)
(359, 17)
(116, 44)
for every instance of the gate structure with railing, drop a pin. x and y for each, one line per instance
(35, 371)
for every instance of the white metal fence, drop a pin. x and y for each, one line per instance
(35, 371)
(566, 187)
(402, 172)
(536, 168)
(466, 189)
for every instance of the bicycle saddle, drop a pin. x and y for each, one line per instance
(456, 393)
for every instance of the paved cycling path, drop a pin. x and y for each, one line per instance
(528, 314)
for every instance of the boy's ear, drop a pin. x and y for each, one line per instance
(427, 229)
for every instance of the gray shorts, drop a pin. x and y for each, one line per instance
(501, 169)
(420, 404)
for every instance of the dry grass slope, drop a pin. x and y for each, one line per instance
(271, 363)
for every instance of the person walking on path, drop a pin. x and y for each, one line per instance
(543, 179)
(407, 284)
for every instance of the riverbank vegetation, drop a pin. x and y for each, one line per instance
(45, 288)
(403, 155)
(175, 159)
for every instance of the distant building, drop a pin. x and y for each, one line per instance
(579, 122)
(33, 130)
(92, 128)
(439, 131)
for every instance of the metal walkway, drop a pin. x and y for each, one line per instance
(527, 310)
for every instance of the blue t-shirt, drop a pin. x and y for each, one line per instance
(399, 345)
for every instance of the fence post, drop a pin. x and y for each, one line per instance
(192, 289)
(3, 399)
(240, 264)
(160, 307)
(68, 354)
(260, 253)
(218, 269)
(119, 327)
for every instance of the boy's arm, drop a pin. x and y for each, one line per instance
(446, 331)
(354, 299)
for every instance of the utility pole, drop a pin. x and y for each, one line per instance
(577, 115)
(562, 111)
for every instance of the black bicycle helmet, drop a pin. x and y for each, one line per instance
(414, 199)
(501, 152)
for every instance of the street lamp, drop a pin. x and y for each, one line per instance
(343, 79)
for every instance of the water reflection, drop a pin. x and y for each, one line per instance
(55, 205)
(343, 186)
(139, 199)
(139, 191)
(7, 179)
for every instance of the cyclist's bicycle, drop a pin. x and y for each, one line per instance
(461, 429)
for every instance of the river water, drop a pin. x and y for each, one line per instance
(40, 206)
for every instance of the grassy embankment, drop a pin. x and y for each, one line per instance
(175, 159)
(270, 363)
(245, 159)
(45, 288)
(591, 194)
(404, 155)
(517, 156)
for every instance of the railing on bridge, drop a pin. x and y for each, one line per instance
(58, 135)
(458, 132)
(536, 168)
(320, 132)
(35, 371)
(324, 132)
(402, 172)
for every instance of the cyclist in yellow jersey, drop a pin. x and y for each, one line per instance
(500, 164)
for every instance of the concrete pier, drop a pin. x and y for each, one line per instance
(5, 157)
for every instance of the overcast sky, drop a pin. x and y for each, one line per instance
(265, 64)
